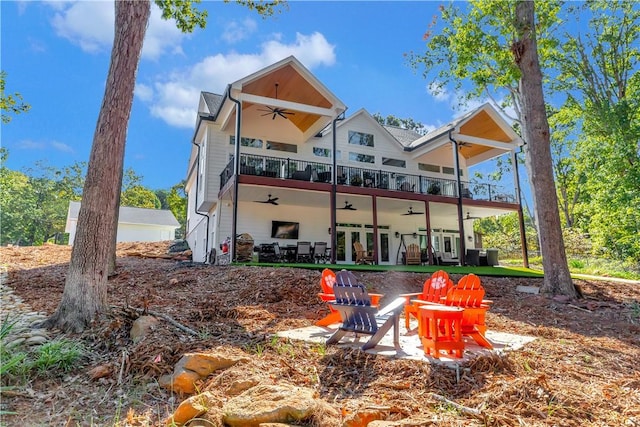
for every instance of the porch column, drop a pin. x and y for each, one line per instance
(428, 221)
(523, 234)
(236, 170)
(456, 162)
(374, 205)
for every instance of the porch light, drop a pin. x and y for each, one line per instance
(397, 234)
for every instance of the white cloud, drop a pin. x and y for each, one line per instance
(60, 146)
(27, 144)
(175, 98)
(89, 24)
(235, 32)
(143, 92)
(438, 91)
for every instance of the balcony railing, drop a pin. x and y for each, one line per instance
(277, 167)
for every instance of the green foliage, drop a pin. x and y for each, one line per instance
(34, 203)
(51, 359)
(140, 197)
(177, 203)
(10, 103)
(409, 123)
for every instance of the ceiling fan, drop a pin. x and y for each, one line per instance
(411, 212)
(348, 207)
(272, 201)
(472, 217)
(276, 111)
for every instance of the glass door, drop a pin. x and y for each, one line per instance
(345, 238)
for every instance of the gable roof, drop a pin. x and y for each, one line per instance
(403, 136)
(213, 101)
(131, 215)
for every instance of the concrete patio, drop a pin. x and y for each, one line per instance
(411, 347)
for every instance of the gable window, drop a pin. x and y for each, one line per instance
(394, 162)
(360, 138)
(363, 158)
(321, 152)
(428, 167)
(246, 142)
(281, 146)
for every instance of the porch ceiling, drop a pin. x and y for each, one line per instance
(441, 213)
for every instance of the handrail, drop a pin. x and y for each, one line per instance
(287, 168)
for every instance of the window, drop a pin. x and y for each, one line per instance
(363, 158)
(360, 138)
(394, 162)
(450, 171)
(429, 168)
(281, 146)
(246, 142)
(321, 152)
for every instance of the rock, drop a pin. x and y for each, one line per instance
(206, 363)
(238, 387)
(100, 371)
(362, 418)
(193, 367)
(191, 408)
(36, 340)
(274, 404)
(141, 327)
(173, 281)
(183, 382)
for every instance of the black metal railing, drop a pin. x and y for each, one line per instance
(286, 168)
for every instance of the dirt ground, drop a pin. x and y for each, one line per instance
(581, 370)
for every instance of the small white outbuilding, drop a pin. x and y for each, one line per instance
(134, 224)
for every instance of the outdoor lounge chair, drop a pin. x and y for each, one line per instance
(362, 256)
(359, 316)
(303, 175)
(413, 255)
(467, 294)
(327, 281)
(434, 288)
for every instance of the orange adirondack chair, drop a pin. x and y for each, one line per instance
(468, 294)
(327, 281)
(433, 290)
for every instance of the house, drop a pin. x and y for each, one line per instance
(134, 224)
(301, 165)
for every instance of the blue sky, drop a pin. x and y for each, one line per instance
(56, 55)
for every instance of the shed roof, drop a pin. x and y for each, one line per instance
(131, 215)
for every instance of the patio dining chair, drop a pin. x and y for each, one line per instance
(303, 252)
(320, 252)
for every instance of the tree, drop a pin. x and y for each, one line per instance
(557, 279)
(177, 202)
(392, 120)
(10, 103)
(476, 47)
(140, 197)
(85, 292)
(599, 70)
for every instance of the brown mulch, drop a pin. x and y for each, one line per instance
(582, 369)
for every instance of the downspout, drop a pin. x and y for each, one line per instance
(334, 179)
(236, 169)
(523, 234)
(463, 249)
(206, 248)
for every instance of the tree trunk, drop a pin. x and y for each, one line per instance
(557, 280)
(85, 291)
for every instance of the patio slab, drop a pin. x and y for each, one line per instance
(411, 347)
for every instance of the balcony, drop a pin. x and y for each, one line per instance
(285, 168)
